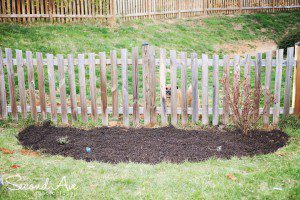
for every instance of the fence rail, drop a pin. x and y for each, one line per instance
(73, 10)
(134, 87)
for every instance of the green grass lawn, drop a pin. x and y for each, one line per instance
(272, 176)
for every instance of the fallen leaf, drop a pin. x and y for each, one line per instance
(280, 154)
(28, 152)
(231, 176)
(15, 166)
(6, 151)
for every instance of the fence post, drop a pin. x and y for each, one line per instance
(297, 80)
(178, 9)
(205, 5)
(113, 11)
(240, 6)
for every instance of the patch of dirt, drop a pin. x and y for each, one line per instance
(247, 47)
(117, 144)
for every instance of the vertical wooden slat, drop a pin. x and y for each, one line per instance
(152, 82)
(11, 83)
(173, 68)
(236, 77)
(296, 91)
(82, 87)
(195, 95)
(257, 86)
(93, 92)
(277, 89)
(216, 91)
(205, 119)
(31, 84)
(114, 88)
(52, 90)
(267, 92)
(62, 88)
(103, 88)
(3, 102)
(184, 87)
(135, 83)
(162, 78)
(21, 83)
(41, 84)
(226, 66)
(288, 80)
(146, 84)
(125, 87)
(72, 83)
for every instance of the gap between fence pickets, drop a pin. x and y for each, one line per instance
(157, 62)
(141, 110)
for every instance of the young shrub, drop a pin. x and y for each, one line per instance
(243, 103)
(63, 140)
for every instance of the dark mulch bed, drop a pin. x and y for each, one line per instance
(116, 144)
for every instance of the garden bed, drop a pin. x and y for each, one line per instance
(117, 144)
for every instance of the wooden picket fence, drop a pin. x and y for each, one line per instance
(72, 88)
(73, 10)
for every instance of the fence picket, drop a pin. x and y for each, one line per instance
(288, 80)
(184, 115)
(205, 119)
(31, 84)
(195, 99)
(279, 59)
(41, 84)
(93, 91)
(257, 87)
(125, 87)
(52, 90)
(82, 87)
(103, 85)
(11, 83)
(3, 103)
(215, 90)
(135, 84)
(152, 82)
(62, 88)
(73, 94)
(114, 88)
(267, 92)
(226, 66)
(162, 78)
(174, 87)
(146, 84)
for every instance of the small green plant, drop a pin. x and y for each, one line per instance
(63, 140)
(290, 121)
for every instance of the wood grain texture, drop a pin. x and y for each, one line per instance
(41, 84)
(184, 87)
(226, 74)
(31, 85)
(125, 95)
(173, 68)
(11, 83)
(114, 87)
(216, 91)
(51, 79)
(288, 80)
(103, 86)
(267, 92)
(62, 89)
(135, 84)
(3, 101)
(257, 83)
(162, 80)
(195, 94)
(205, 119)
(82, 87)
(146, 83)
(93, 91)
(72, 84)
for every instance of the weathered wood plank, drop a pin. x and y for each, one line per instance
(226, 66)
(82, 87)
(11, 83)
(184, 86)
(267, 92)
(3, 101)
(195, 95)
(114, 87)
(146, 84)
(288, 80)
(93, 92)
(173, 68)
(152, 82)
(125, 87)
(103, 85)
(135, 84)
(41, 84)
(257, 85)
(205, 119)
(31, 84)
(216, 91)
(62, 88)
(52, 90)
(162, 78)
(277, 89)
(72, 83)
(236, 77)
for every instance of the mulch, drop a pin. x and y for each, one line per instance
(143, 145)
